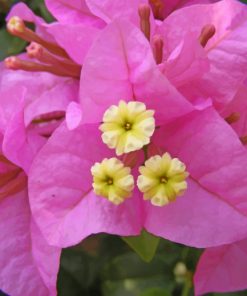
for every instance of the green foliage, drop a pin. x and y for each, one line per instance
(104, 265)
(145, 245)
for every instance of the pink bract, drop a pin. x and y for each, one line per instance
(226, 50)
(194, 71)
(61, 195)
(28, 265)
(121, 60)
(76, 34)
(170, 6)
(26, 97)
(31, 266)
(222, 269)
(73, 12)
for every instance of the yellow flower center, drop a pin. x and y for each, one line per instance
(162, 179)
(127, 127)
(112, 180)
(16, 24)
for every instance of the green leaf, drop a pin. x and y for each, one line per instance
(145, 245)
(156, 292)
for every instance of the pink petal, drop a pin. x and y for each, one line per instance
(109, 10)
(172, 5)
(215, 158)
(36, 84)
(121, 64)
(186, 63)
(222, 269)
(73, 116)
(54, 98)
(9, 99)
(44, 93)
(76, 39)
(28, 266)
(61, 196)
(74, 12)
(227, 50)
(24, 12)
(199, 218)
(225, 15)
(19, 145)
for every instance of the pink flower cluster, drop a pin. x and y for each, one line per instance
(187, 61)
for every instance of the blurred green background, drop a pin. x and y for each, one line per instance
(105, 265)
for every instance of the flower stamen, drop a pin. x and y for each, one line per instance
(244, 140)
(144, 13)
(128, 126)
(163, 180)
(157, 6)
(207, 33)
(158, 45)
(232, 118)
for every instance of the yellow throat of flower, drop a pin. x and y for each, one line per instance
(162, 179)
(127, 127)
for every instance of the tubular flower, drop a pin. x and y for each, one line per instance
(127, 127)
(48, 54)
(162, 179)
(111, 179)
(16, 25)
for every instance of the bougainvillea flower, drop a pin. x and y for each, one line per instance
(185, 63)
(226, 48)
(76, 34)
(63, 201)
(28, 265)
(32, 105)
(222, 269)
(48, 54)
(29, 102)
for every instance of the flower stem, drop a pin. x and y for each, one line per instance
(186, 288)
